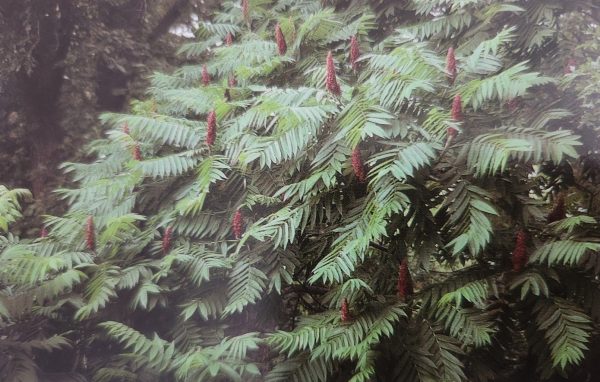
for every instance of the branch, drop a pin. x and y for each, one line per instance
(379, 247)
(305, 289)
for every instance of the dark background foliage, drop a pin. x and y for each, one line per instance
(153, 269)
(62, 62)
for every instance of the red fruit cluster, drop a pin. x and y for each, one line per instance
(404, 287)
(211, 129)
(237, 224)
(166, 240)
(229, 39)
(559, 211)
(451, 65)
(246, 10)
(331, 80)
(125, 128)
(354, 52)
(345, 311)
(280, 38)
(137, 152)
(358, 166)
(205, 76)
(457, 108)
(43, 232)
(90, 235)
(519, 255)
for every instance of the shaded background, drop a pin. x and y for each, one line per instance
(64, 61)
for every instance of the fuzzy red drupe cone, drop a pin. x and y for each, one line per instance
(358, 166)
(43, 232)
(137, 152)
(166, 240)
(345, 311)
(205, 76)
(457, 108)
(456, 116)
(237, 224)
(125, 128)
(90, 235)
(331, 80)
(519, 255)
(229, 39)
(211, 129)
(232, 82)
(451, 65)
(354, 52)
(246, 10)
(280, 38)
(559, 211)
(404, 287)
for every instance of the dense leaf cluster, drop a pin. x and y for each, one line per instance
(253, 221)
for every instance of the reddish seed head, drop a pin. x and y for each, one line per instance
(559, 211)
(229, 39)
(125, 128)
(211, 129)
(166, 240)
(457, 108)
(90, 235)
(246, 10)
(354, 52)
(43, 232)
(519, 255)
(205, 76)
(280, 38)
(358, 166)
(404, 287)
(345, 311)
(330, 80)
(237, 224)
(451, 65)
(137, 152)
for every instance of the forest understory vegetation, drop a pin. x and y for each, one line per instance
(342, 190)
